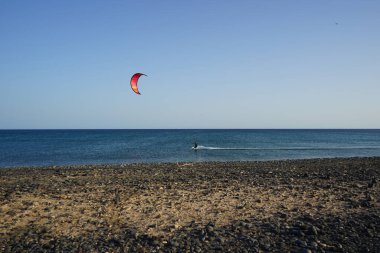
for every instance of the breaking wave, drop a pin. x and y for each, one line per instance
(200, 147)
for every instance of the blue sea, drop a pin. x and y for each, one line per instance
(72, 147)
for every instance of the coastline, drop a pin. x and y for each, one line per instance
(307, 205)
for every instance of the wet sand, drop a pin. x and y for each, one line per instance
(317, 205)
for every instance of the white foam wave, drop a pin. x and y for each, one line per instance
(285, 148)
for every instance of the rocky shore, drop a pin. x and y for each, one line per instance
(317, 205)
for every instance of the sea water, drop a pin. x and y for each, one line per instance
(64, 147)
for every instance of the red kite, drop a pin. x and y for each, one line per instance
(134, 80)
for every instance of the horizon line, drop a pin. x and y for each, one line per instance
(39, 129)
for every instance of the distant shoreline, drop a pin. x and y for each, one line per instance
(124, 165)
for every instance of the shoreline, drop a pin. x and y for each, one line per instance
(302, 205)
(91, 165)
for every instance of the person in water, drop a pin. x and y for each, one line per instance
(195, 144)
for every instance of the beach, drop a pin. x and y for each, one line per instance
(310, 205)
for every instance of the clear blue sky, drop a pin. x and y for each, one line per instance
(210, 64)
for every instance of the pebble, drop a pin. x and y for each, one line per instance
(304, 251)
(312, 230)
(301, 243)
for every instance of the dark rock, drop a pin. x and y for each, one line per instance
(301, 243)
(304, 251)
(372, 183)
(312, 230)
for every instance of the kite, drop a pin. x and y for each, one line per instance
(134, 80)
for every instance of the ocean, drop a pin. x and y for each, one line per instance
(74, 147)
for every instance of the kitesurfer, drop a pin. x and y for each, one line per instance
(195, 145)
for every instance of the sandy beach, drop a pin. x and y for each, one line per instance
(317, 205)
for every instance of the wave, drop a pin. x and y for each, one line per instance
(286, 148)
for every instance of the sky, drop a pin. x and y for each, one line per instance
(210, 64)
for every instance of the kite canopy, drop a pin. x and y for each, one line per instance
(134, 81)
